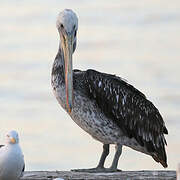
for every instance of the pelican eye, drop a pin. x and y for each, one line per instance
(62, 26)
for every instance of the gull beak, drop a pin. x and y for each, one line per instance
(68, 51)
(13, 140)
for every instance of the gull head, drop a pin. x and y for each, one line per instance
(12, 137)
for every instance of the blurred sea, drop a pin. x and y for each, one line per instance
(138, 40)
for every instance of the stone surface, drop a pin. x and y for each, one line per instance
(124, 175)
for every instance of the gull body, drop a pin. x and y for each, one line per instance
(11, 158)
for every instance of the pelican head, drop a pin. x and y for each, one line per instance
(67, 24)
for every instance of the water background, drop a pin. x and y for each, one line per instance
(138, 40)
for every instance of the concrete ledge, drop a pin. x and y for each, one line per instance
(124, 175)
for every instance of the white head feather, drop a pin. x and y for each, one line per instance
(68, 19)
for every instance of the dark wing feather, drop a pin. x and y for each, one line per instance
(1, 146)
(136, 116)
(23, 168)
(22, 172)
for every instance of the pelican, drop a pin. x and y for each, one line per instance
(105, 106)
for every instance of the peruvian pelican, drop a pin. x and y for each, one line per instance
(104, 105)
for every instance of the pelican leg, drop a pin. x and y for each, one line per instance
(116, 158)
(103, 156)
(113, 167)
(100, 167)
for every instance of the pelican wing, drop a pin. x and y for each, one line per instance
(126, 106)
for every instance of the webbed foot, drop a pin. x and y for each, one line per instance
(97, 170)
